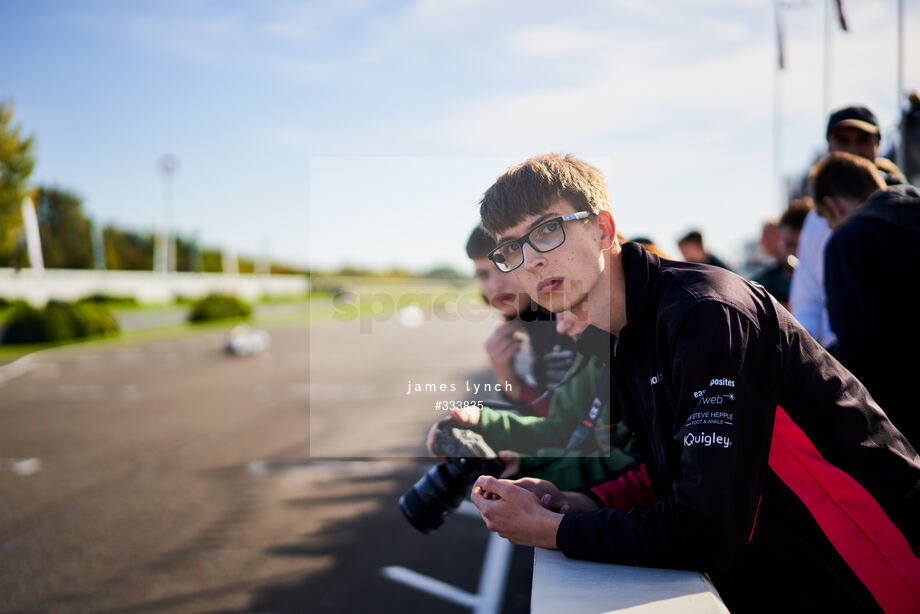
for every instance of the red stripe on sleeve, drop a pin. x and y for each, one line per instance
(850, 517)
(632, 489)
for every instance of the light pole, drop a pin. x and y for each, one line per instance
(166, 261)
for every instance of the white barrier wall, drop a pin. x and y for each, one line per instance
(583, 587)
(37, 287)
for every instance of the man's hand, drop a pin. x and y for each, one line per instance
(432, 435)
(512, 462)
(515, 513)
(501, 346)
(465, 417)
(550, 496)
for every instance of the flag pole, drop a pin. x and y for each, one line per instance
(901, 152)
(779, 186)
(826, 101)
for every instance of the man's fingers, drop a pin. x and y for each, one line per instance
(483, 500)
(540, 488)
(477, 497)
(532, 484)
(459, 414)
(467, 415)
(502, 488)
(551, 504)
(506, 355)
(505, 344)
(432, 435)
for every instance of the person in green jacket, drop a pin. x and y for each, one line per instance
(574, 444)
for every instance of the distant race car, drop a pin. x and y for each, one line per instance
(243, 341)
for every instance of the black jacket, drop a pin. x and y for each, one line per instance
(872, 279)
(776, 471)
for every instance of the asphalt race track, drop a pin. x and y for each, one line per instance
(171, 477)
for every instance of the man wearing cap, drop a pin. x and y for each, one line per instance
(851, 130)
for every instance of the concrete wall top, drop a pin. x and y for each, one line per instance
(583, 587)
(37, 287)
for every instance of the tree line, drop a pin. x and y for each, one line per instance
(69, 239)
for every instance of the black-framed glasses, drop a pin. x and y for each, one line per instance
(545, 237)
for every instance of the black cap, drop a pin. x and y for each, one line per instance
(853, 117)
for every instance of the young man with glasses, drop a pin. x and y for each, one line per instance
(775, 471)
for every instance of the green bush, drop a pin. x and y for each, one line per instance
(10, 303)
(91, 319)
(58, 321)
(24, 325)
(110, 299)
(218, 307)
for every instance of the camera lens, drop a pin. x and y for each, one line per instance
(434, 496)
(443, 487)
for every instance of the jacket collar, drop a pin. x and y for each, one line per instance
(639, 268)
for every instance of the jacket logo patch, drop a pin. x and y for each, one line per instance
(721, 381)
(707, 440)
(655, 380)
(711, 417)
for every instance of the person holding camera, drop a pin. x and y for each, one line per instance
(582, 439)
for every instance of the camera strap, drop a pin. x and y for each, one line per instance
(581, 432)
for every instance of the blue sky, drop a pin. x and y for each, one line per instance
(364, 132)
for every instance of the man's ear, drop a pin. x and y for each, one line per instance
(608, 228)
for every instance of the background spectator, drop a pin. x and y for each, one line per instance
(691, 246)
(872, 263)
(777, 277)
(852, 130)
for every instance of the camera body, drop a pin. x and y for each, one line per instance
(445, 486)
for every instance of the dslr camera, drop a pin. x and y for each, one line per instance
(445, 486)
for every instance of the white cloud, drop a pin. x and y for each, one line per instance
(200, 39)
(548, 40)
